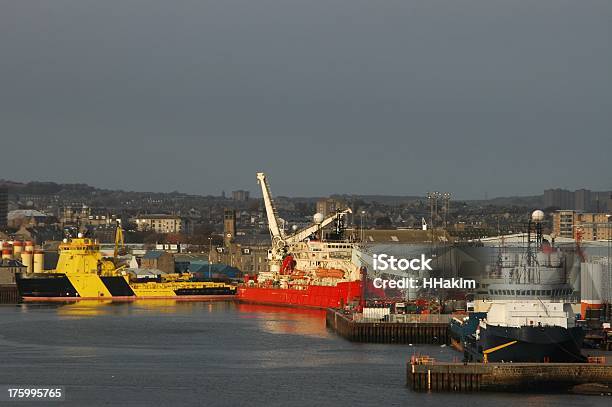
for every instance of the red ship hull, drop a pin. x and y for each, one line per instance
(314, 296)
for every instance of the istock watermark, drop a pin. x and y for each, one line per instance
(406, 282)
(383, 262)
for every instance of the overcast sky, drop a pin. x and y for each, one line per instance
(326, 96)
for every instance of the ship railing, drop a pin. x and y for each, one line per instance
(421, 360)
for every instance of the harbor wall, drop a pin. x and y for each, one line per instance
(9, 294)
(536, 377)
(387, 332)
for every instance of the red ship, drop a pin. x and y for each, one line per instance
(306, 268)
(316, 296)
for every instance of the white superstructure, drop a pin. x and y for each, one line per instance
(530, 313)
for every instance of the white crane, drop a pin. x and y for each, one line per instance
(280, 241)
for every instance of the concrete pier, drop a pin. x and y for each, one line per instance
(536, 377)
(388, 332)
(9, 294)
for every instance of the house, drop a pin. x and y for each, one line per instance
(157, 259)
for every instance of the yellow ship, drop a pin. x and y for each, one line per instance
(83, 274)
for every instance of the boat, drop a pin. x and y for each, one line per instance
(306, 268)
(312, 296)
(530, 318)
(83, 274)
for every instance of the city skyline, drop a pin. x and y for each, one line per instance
(255, 192)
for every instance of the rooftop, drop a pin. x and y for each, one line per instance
(158, 216)
(153, 254)
(402, 236)
(26, 213)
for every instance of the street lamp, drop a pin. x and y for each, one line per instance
(209, 258)
(362, 234)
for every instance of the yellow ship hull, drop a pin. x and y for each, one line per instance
(77, 287)
(83, 274)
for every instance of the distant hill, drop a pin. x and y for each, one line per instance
(45, 188)
(392, 200)
(53, 188)
(381, 199)
(534, 201)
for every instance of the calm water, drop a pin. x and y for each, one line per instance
(217, 354)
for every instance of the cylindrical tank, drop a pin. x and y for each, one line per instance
(17, 249)
(26, 260)
(7, 252)
(29, 246)
(39, 261)
(591, 283)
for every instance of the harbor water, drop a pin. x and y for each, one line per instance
(215, 354)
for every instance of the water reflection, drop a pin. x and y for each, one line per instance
(90, 308)
(284, 320)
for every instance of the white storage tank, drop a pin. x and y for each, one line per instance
(591, 284)
(39, 261)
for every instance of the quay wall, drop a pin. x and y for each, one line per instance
(506, 376)
(9, 294)
(387, 332)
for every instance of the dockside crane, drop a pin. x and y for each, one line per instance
(280, 242)
(119, 242)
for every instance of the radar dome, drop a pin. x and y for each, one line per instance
(318, 217)
(294, 228)
(537, 216)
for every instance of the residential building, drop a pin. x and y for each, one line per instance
(8, 269)
(558, 198)
(160, 223)
(328, 206)
(240, 195)
(249, 254)
(157, 259)
(28, 217)
(563, 223)
(592, 226)
(582, 200)
(3, 206)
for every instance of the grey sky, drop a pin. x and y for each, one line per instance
(326, 96)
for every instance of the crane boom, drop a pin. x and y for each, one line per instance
(304, 233)
(271, 213)
(280, 242)
(119, 242)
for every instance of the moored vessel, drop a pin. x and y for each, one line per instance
(531, 317)
(305, 268)
(83, 274)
